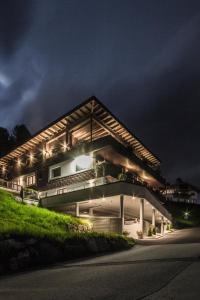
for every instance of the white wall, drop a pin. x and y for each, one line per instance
(132, 229)
(68, 167)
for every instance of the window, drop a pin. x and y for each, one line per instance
(30, 180)
(83, 162)
(56, 172)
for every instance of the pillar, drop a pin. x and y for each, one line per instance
(91, 211)
(153, 217)
(162, 225)
(121, 213)
(142, 215)
(77, 209)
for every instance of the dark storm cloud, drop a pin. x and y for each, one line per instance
(141, 58)
(14, 24)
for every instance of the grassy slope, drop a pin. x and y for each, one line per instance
(178, 209)
(21, 220)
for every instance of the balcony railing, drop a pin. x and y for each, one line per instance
(10, 185)
(77, 186)
(69, 180)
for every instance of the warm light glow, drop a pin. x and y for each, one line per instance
(31, 157)
(19, 162)
(91, 182)
(83, 162)
(64, 146)
(44, 152)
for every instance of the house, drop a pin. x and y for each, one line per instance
(88, 164)
(182, 192)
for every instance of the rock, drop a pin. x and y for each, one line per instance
(73, 251)
(48, 252)
(23, 258)
(103, 244)
(13, 264)
(12, 243)
(31, 241)
(92, 245)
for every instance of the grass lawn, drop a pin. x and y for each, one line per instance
(178, 211)
(18, 219)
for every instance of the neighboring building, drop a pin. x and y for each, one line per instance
(182, 192)
(87, 163)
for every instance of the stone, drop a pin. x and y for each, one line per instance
(23, 258)
(13, 264)
(92, 245)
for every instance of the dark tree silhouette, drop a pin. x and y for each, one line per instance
(4, 141)
(8, 141)
(20, 134)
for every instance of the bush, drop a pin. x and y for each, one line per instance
(149, 232)
(154, 230)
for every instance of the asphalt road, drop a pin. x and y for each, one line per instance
(170, 269)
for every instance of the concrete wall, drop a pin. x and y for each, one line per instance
(101, 224)
(132, 229)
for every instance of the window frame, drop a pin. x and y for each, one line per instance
(52, 170)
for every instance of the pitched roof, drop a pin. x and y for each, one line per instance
(101, 115)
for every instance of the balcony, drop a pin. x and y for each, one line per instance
(10, 186)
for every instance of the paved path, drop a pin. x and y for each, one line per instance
(161, 271)
(191, 235)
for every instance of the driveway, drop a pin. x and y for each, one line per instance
(191, 235)
(161, 271)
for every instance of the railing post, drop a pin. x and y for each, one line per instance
(141, 215)
(121, 213)
(77, 209)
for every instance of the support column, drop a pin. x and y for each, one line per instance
(121, 213)
(91, 211)
(162, 225)
(77, 209)
(142, 215)
(153, 217)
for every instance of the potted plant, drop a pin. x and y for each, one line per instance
(154, 230)
(149, 233)
(140, 234)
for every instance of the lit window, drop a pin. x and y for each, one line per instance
(83, 162)
(56, 172)
(30, 180)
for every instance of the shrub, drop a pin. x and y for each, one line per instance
(149, 232)
(154, 230)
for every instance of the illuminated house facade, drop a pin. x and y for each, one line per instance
(87, 163)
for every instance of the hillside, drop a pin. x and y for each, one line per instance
(32, 237)
(18, 218)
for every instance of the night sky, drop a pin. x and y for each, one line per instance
(140, 58)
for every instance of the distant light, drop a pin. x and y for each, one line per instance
(83, 162)
(186, 214)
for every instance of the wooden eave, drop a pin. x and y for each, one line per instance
(107, 121)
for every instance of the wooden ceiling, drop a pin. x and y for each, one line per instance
(104, 123)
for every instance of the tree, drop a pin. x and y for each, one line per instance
(20, 134)
(4, 141)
